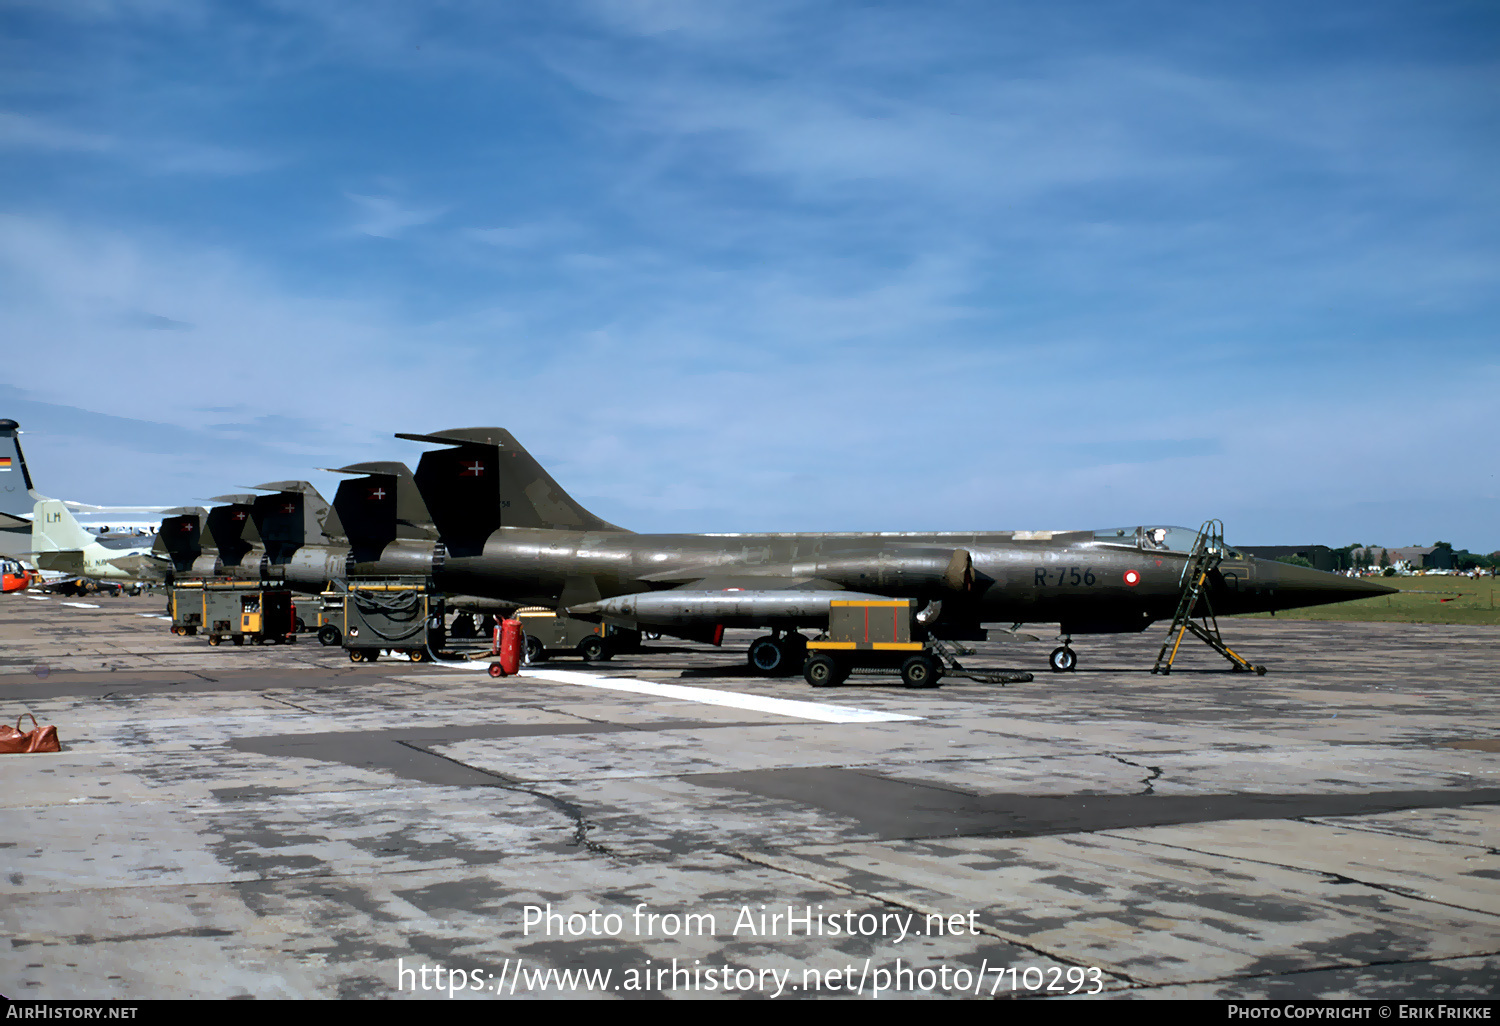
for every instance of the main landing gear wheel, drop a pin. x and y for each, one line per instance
(328, 635)
(920, 671)
(771, 656)
(592, 649)
(823, 671)
(1063, 659)
(766, 656)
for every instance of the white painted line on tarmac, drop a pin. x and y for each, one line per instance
(40, 598)
(154, 616)
(80, 605)
(819, 711)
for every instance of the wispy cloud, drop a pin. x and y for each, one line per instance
(386, 218)
(1053, 269)
(149, 155)
(20, 132)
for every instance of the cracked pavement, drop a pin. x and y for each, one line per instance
(278, 822)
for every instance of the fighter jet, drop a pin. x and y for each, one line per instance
(509, 530)
(291, 536)
(376, 526)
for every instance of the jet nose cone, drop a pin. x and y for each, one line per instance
(1365, 587)
(1302, 586)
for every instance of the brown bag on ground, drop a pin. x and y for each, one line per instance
(38, 739)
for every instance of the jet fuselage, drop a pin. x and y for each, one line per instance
(1091, 584)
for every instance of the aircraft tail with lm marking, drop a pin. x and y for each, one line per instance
(54, 529)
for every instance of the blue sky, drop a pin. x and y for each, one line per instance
(770, 266)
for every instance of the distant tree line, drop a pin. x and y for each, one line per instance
(1370, 557)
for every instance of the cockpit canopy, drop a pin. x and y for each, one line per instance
(1155, 539)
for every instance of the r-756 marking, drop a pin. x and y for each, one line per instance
(1067, 575)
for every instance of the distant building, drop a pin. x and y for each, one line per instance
(1320, 556)
(1412, 557)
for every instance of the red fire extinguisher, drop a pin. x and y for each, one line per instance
(506, 645)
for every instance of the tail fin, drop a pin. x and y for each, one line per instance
(316, 520)
(232, 529)
(380, 507)
(18, 496)
(54, 529)
(296, 515)
(489, 481)
(182, 535)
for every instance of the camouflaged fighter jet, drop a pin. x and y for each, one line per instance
(291, 536)
(509, 530)
(376, 526)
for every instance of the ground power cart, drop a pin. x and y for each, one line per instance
(235, 610)
(185, 606)
(328, 618)
(874, 634)
(549, 634)
(395, 616)
(884, 634)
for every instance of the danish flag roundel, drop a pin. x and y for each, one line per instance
(1132, 577)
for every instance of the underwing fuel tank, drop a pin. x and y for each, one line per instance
(729, 607)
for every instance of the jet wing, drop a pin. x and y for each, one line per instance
(83, 507)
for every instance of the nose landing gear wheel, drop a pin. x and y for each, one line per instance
(1063, 659)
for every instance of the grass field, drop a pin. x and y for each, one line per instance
(1459, 600)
